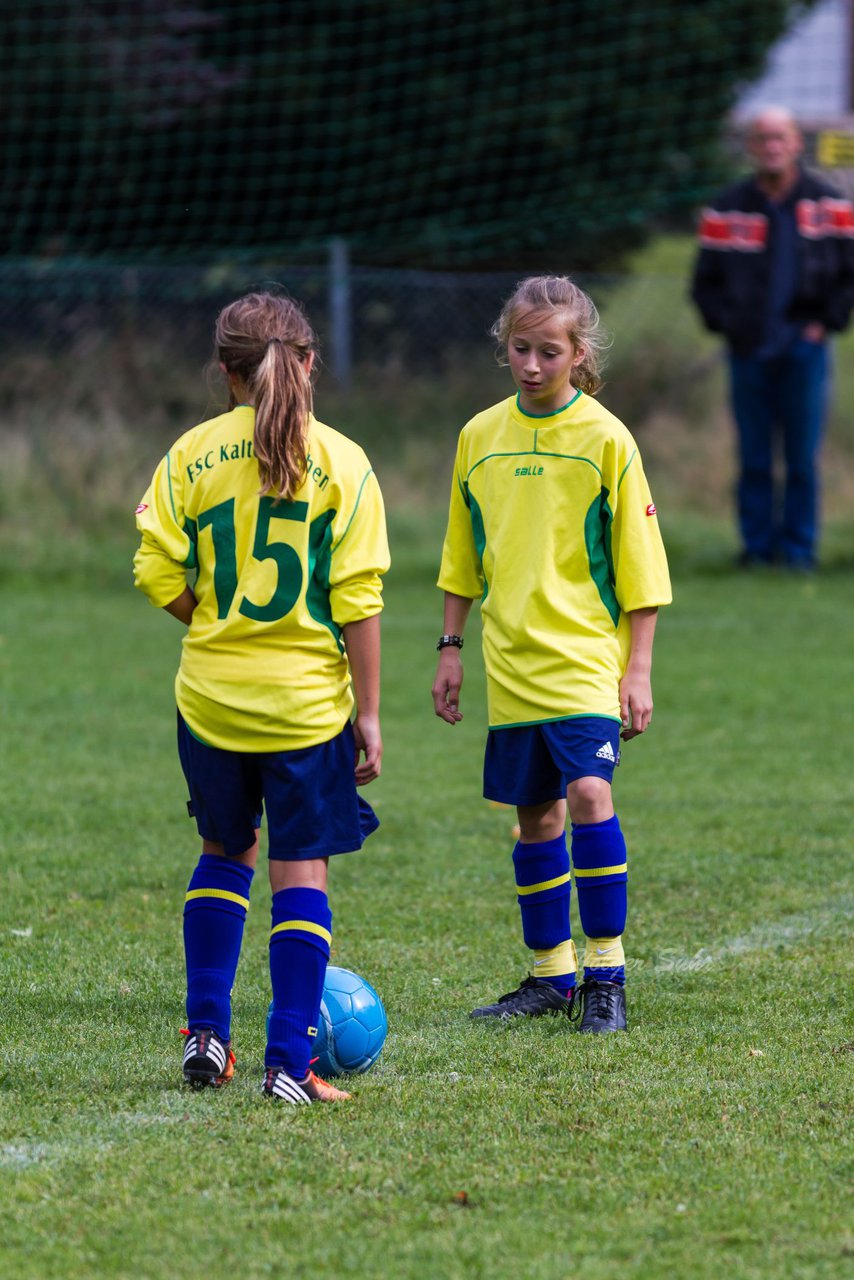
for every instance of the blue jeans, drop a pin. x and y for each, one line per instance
(788, 392)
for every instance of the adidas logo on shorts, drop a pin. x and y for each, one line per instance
(606, 752)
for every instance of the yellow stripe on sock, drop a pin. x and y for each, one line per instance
(604, 953)
(600, 871)
(306, 926)
(523, 889)
(561, 959)
(218, 893)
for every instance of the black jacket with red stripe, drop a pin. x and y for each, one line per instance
(732, 272)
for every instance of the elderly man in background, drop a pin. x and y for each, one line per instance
(775, 276)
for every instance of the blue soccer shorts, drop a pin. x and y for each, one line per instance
(534, 764)
(313, 807)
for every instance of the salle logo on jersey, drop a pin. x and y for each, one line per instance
(606, 752)
(650, 511)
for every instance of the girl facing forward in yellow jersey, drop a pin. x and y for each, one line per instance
(280, 518)
(553, 528)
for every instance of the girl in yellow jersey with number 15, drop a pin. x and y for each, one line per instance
(553, 528)
(281, 520)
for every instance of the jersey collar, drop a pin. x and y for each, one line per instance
(541, 417)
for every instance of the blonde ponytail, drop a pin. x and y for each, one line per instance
(266, 341)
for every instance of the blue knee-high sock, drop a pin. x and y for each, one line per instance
(543, 889)
(299, 951)
(214, 915)
(599, 863)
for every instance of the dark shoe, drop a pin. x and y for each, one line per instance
(604, 1005)
(207, 1059)
(278, 1084)
(749, 560)
(532, 999)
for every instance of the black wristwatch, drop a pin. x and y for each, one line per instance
(447, 642)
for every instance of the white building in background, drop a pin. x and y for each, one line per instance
(810, 69)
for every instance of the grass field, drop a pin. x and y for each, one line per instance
(711, 1140)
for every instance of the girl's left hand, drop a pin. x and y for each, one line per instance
(635, 704)
(366, 731)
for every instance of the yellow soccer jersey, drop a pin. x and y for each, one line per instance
(263, 666)
(551, 523)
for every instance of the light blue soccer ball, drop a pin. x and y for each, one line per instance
(352, 1026)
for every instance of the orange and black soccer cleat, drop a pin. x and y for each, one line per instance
(208, 1061)
(278, 1084)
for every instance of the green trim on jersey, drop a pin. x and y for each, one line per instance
(569, 457)
(195, 735)
(529, 724)
(597, 538)
(365, 479)
(553, 413)
(532, 453)
(514, 453)
(479, 534)
(171, 494)
(625, 469)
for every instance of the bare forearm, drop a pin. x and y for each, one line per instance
(457, 610)
(643, 633)
(362, 642)
(182, 607)
(636, 685)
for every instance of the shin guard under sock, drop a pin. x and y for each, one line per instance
(214, 915)
(299, 951)
(604, 960)
(600, 868)
(543, 891)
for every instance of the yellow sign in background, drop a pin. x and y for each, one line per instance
(834, 149)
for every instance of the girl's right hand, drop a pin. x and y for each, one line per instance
(368, 739)
(447, 685)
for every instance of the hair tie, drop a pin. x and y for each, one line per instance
(279, 340)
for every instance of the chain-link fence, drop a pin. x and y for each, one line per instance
(376, 315)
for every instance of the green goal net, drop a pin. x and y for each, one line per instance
(449, 134)
(396, 164)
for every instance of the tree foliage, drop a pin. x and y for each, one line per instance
(459, 133)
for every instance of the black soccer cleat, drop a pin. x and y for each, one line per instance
(207, 1059)
(604, 1007)
(533, 998)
